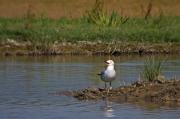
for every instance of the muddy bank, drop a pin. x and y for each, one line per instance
(166, 92)
(11, 47)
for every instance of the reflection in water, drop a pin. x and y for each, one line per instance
(107, 108)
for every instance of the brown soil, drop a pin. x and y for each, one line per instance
(155, 92)
(77, 8)
(87, 48)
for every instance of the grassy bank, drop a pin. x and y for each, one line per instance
(107, 34)
(45, 30)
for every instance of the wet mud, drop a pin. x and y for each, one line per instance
(166, 92)
(13, 47)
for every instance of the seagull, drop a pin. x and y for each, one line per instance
(109, 74)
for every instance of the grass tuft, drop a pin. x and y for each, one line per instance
(97, 15)
(152, 69)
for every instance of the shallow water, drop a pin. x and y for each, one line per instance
(28, 87)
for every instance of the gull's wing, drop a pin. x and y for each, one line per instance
(102, 74)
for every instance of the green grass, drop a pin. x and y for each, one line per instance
(99, 16)
(45, 30)
(152, 69)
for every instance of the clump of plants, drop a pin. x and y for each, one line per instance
(99, 16)
(152, 69)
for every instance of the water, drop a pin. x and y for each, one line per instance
(28, 86)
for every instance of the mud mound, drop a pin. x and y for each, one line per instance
(158, 92)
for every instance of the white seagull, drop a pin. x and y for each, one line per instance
(109, 74)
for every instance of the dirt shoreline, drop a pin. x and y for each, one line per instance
(167, 92)
(12, 47)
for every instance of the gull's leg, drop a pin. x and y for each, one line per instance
(107, 89)
(110, 86)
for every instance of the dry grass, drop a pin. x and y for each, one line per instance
(76, 8)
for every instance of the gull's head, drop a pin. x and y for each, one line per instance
(110, 62)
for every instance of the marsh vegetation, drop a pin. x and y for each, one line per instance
(97, 25)
(152, 69)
